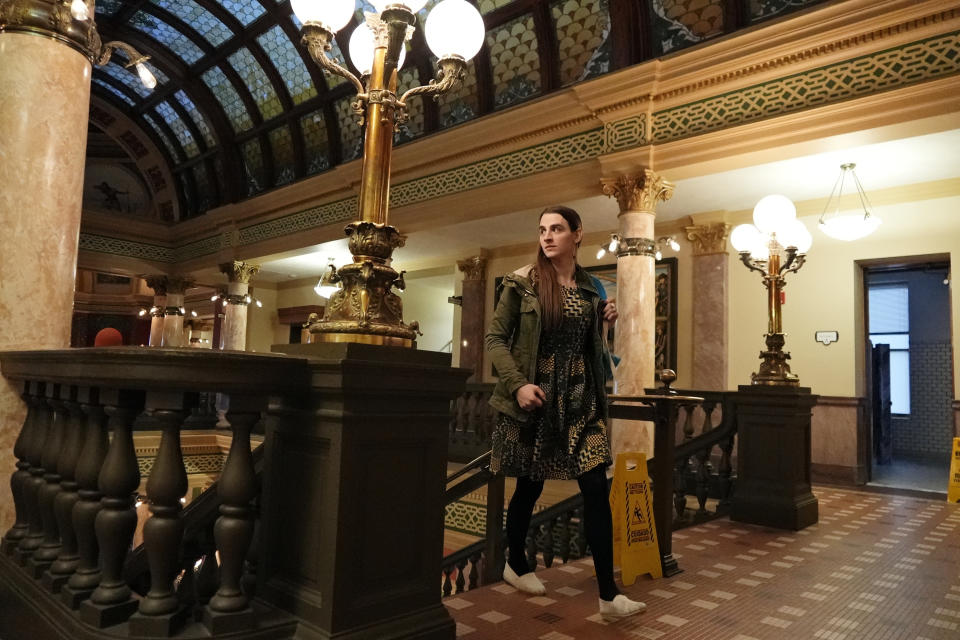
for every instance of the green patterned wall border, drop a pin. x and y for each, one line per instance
(129, 248)
(194, 463)
(908, 64)
(928, 59)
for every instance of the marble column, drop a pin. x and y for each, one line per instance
(173, 330)
(473, 295)
(44, 100)
(159, 286)
(637, 196)
(710, 311)
(233, 331)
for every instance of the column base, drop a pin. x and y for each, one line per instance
(219, 623)
(162, 626)
(54, 582)
(432, 624)
(107, 615)
(792, 513)
(669, 566)
(73, 598)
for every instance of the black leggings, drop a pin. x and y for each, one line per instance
(597, 521)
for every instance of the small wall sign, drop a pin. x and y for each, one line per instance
(826, 337)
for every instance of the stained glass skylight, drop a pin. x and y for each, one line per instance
(351, 138)
(281, 143)
(204, 22)
(228, 98)
(257, 82)
(253, 166)
(197, 118)
(168, 36)
(514, 61)
(204, 190)
(112, 89)
(289, 63)
(317, 147)
(167, 142)
(125, 76)
(108, 7)
(175, 122)
(159, 75)
(246, 11)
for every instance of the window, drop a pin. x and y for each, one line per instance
(889, 306)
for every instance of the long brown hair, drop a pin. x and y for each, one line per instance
(548, 289)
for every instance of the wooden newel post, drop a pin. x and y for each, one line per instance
(666, 411)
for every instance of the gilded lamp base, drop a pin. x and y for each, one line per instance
(774, 370)
(365, 309)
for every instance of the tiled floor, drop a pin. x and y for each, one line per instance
(876, 567)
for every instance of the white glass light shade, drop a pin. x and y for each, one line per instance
(361, 49)
(602, 252)
(795, 235)
(146, 76)
(772, 213)
(79, 10)
(333, 14)
(454, 27)
(745, 237)
(413, 5)
(850, 227)
(325, 291)
(674, 244)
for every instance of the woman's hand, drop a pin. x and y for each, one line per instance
(530, 396)
(610, 313)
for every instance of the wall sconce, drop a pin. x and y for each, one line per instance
(851, 226)
(662, 243)
(774, 245)
(329, 281)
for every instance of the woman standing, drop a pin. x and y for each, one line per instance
(546, 344)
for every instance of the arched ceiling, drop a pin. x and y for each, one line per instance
(239, 107)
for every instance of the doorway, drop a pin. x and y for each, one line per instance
(911, 373)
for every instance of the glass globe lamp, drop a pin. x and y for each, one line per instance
(454, 28)
(772, 213)
(332, 14)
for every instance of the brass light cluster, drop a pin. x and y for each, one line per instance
(774, 245)
(655, 249)
(365, 308)
(71, 22)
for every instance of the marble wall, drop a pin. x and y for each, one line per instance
(838, 440)
(44, 100)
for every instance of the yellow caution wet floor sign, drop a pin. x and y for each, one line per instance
(953, 488)
(635, 547)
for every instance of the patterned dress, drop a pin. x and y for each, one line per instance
(566, 437)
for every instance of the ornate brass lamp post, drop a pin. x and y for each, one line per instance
(366, 309)
(775, 245)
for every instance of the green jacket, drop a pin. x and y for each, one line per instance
(514, 340)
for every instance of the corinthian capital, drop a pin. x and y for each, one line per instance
(708, 239)
(239, 271)
(473, 268)
(638, 192)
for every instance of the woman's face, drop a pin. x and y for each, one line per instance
(556, 238)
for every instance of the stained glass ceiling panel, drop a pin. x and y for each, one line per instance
(257, 82)
(289, 63)
(168, 36)
(246, 11)
(112, 89)
(175, 122)
(171, 148)
(197, 118)
(126, 76)
(228, 98)
(199, 18)
(108, 7)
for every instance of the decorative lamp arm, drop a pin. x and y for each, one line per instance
(317, 40)
(452, 71)
(134, 57)
(794, 263)
(753, 265)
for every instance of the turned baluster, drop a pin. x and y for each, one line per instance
(252, 562)
(31, 486)
(447, 584)
(548, 543)
(52, 449)
(704, 468)
(680, 491)
(474, 578)
(20, 477)
(92, 456)
(724, 471)
(163, 532)
(237, 488)
(116, 522)
(69, 557)
(461, 578)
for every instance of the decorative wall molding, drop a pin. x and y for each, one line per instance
(708, 239)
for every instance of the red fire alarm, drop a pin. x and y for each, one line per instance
(783, 297)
